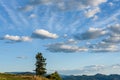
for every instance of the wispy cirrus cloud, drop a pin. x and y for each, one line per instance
(65, 5)
(69, 3)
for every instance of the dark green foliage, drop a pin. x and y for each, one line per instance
(40, 65)
(54, 76)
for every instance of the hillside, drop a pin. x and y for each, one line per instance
(20, 77)
(94, 77)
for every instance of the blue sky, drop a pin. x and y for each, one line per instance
(76, 36)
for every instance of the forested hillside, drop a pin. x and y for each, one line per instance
(95, 77)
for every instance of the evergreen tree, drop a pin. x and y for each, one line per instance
(40, 64)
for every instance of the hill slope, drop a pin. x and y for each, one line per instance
(20, 77)
(95, 77)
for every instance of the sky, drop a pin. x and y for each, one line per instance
(75, 36)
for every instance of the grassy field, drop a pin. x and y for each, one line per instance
(20, 77)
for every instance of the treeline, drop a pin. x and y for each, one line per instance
(95, 77)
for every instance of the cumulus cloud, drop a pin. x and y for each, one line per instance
(92, 12)
(62, 47)
(110, 43)
(113, 39)
(114, 34)
(16, 38)
(104, 47)
(92, 33)
(110, 40)
(43, 34)
(115, 28)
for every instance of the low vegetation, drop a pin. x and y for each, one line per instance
(4, 76)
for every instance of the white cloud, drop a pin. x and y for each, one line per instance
(21, 57)
(92, 12)
(14, 38)
(115, 28)
(17, 38)
(114, 34)
(113, 39)
(65, 35)
(27, 8)
(92, 33)
(92, 69)
(104, 47)
(85, 70)
(32, 16)
(94, 2)
(62, 47)
(43, 34)
(71, 41)
(116, 66)
(26, 38)
(111, 4)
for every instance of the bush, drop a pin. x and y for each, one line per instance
(54, 76)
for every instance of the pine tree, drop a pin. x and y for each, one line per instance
(40, 65)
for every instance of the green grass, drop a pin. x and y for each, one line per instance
(19, 77)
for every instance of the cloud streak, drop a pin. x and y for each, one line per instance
(21, 57)
(68, 5)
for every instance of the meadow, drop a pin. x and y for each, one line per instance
(4, 76)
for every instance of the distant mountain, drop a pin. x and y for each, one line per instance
(95, 77)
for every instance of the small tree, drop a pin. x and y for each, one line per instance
(40, 64)
(54, 76)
